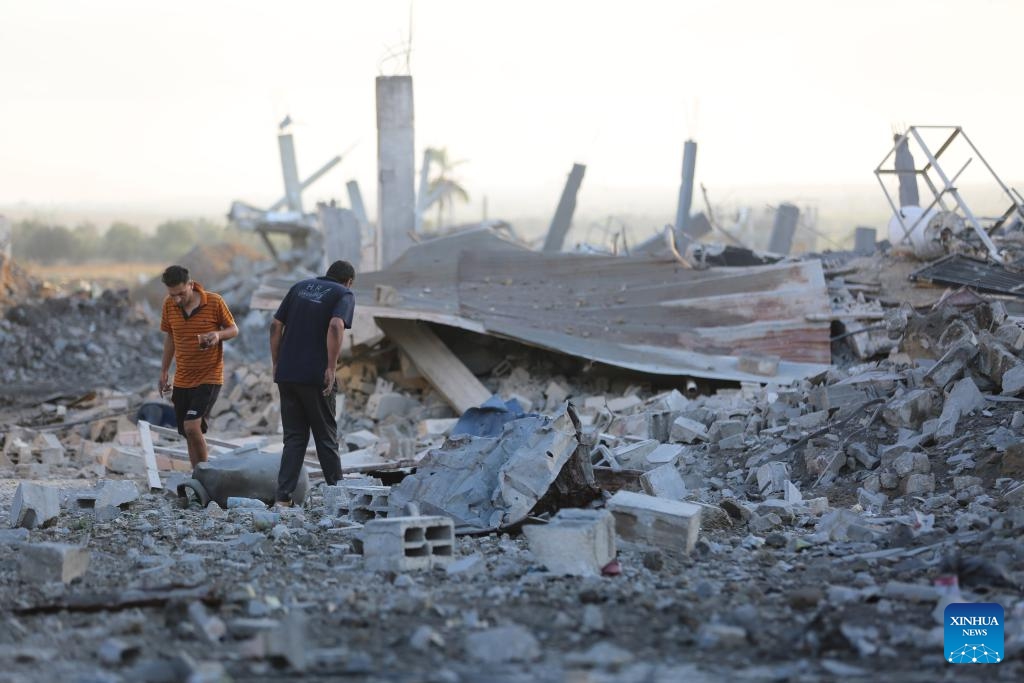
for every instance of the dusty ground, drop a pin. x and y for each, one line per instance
(768, 607)
(770, 593)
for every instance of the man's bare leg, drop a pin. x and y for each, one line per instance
(197, 451)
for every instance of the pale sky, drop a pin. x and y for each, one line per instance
(176, 104)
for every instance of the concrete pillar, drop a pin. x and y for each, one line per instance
(355, 200)
(686, 188)
(424, 191)
(396, 196)
(342, 235)
(864, 240)
(786, 218)
(290, 170)
(560, 224)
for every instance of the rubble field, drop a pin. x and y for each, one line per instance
(588, 524)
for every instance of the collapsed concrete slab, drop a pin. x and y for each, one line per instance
(574, 542)
(485, 483)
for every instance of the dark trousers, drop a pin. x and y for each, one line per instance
(305, 409)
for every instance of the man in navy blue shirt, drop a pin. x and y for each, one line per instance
(305, 342)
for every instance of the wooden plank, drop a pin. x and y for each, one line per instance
(174, 432)
(435, 361)
(150, 457)
(176, 453)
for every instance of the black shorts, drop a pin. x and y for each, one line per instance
(194, 404)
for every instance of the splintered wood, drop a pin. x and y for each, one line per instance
(435, 361)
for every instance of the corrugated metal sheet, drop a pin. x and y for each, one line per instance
(983, 276)
(646, 314)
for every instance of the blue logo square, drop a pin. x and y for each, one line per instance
(973, 633)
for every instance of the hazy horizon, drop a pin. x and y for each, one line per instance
(172, 110)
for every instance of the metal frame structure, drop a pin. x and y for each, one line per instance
(948, 184)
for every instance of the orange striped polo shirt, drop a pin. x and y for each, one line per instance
(195, 366)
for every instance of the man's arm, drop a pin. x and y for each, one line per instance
(226, 333)
(276, 332)
(335, 334)
(165, 363)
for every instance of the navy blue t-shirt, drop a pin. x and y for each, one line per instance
(306, 312)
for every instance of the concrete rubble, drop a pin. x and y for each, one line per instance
(613, 526)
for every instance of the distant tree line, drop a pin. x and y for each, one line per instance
(47, 243)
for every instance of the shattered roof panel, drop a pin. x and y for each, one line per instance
(648, 314)
(957, 269)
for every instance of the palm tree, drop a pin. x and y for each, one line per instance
(444, 189)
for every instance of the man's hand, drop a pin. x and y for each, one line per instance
(328, 381)
(164, 384)
(208, 339)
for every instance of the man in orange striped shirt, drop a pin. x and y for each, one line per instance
(194, 322)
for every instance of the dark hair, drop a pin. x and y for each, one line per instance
(174, 276)
(342, 271)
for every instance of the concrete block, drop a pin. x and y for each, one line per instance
(732, 443)
(665, 454)
(811, 421)
(624, 404)
(633, 456)
(919, 485)
(403, 544)
(44, 562)
(952, 363)
(575, 542)
(995, 359)
(664, 482)
(126, 461)
(1013, 381)
(688, 431)
(667, 524)
(361, 439)
(964, 398)
(34, 505)
(909, 410)
(556, 394)
(116, 493)
(860, 452)
(911, 463)
(384, 404)
(659, 425)
(31, 470)
(1012, 336)
(364, 503)
(771, 478)
(723, 429)
(49, 448)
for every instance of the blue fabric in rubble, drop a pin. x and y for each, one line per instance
(489, 418)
